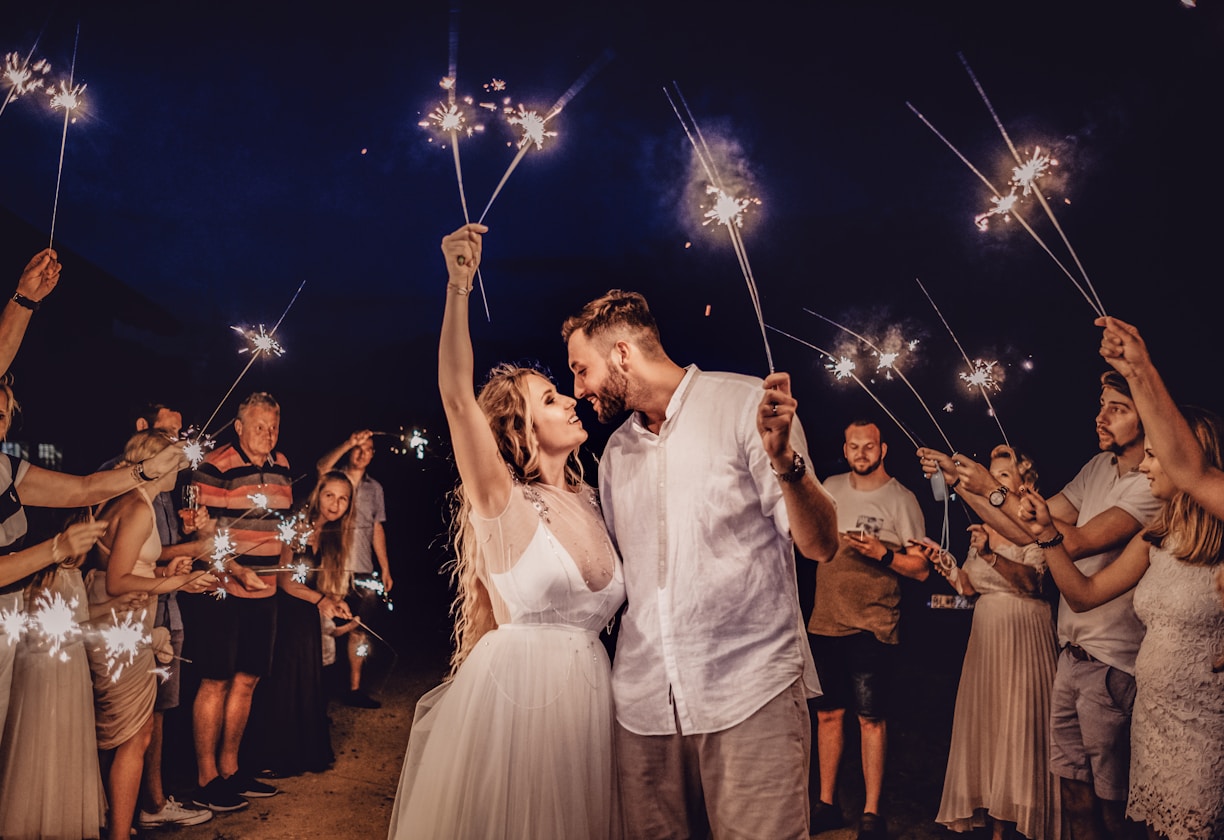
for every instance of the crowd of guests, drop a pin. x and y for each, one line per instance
(159, 567)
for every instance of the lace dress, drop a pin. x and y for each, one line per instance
(519, 743)
(998, 762)
(1177, 729)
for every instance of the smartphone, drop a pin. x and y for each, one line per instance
(939, 487)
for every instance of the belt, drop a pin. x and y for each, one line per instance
(1079, 653)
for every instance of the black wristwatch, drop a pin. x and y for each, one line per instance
(796, 472)
(997, 496)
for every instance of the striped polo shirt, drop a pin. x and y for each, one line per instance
(228, 480)
(12, 514)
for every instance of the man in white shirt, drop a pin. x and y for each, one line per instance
(1096, 514)
(703, 487)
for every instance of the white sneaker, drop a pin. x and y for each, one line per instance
(174, 813)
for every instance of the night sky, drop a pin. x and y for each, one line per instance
(228, 152)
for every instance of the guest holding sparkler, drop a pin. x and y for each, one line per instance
(126, 689)
(23, 483)
(518, 743)
(998, 763)
(368, 543)
(230, 639)
(290, 730)
(1105, 505)
(51, 785)
(703, 488)
(37, 280)
(1177, 733)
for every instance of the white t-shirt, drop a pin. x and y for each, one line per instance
(1112, 631)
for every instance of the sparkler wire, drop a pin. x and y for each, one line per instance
(965, 355)
(59, 175)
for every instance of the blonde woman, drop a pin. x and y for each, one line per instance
(518, 743)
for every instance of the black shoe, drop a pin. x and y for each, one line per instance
(826, 817)
(219, 796)
(872, 827)
(361, 700)
(250, 787)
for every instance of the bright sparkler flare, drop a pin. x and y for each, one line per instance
(66, 96)
(886, 360)
(23, 77)
(300, 571)
(495, 85)
(13, 624)
(223, 547)
(197, 445)
(447, 83)
(727, 210)
(446, 118)
(123, 641)
(363, 650)
(417, 441)
(258, 500)
(1026, 175)
(55, 619)
(1003, 205)
(532, 125)
(981, 376)
(372, 584)
(843, 368)
(261, 342)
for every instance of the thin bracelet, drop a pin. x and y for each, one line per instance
(459, 290)
(1053, 541)
(56, 557)
(321, 597)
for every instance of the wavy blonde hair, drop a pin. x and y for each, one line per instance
(332, 577)
(1190, 533)
(503, 399)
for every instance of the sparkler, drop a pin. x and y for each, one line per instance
(1026, 174)
(980, 374)
(887, 361)
(843, 368)
(410, 440)
(123, 640)
(533, 125)
(67, 97)
(727, 210)
(13, 623)
(22, 76)
(55, 619)
(261, 343)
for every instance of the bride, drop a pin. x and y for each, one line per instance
(518, 742)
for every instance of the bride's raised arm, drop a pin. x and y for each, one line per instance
(486, 482)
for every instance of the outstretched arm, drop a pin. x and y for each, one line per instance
(485, 480)
(37, 280)
(1171, 437)
(333, 456)
(812, 514)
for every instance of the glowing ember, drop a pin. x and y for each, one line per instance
(363, 650)
(22, 76)
(981, 376)
(843, 368)
(223, 549)
(886, 360)
(55, 619)
(123, 641)
(1003, 205)
(727, 210)
(948, 407)
(447, 83)
(66, 96)
(495, 85)
(197, 445)
(258, 500)
(532, 125)
(445, 117)
(1026, 175)
(261, 342)
(300, 570)
(372, 584)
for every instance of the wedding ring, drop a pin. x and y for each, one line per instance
(774, 406)
(462, 260)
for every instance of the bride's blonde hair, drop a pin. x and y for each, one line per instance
(503, 399)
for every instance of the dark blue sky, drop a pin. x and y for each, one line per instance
(218, 163)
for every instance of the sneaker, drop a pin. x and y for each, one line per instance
(173, 813)
(218, 795)
(872, 827)
(250, 787)
(357, 697)
(826, 817)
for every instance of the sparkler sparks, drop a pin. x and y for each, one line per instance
(1003, 205)
(258, 500)
(363, 650)
(727, 210)
(445, 117)
(261, 342)
(66, 96)
(532, 126)
(123, 640)
(843, 368)
(55, 619)
(300, 571)
(23, 77)
(1026, 174)
(981, 375)
(13, 623)
(196, 447)
(223, 549)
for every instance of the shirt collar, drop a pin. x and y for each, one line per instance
(673, 405)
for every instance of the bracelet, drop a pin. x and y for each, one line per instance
(321, 597)
(887, 558)
(459, 290)
(995, 555)
(28, 303)
(139, 474)
(56, 557)
(955, 484)
(1050, 543)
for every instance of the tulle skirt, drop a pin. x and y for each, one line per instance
(998, 762)
(518, 746)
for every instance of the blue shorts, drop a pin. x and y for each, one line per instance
(856, 672)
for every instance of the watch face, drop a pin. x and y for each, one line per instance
(998, 496)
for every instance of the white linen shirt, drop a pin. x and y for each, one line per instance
(713, 624)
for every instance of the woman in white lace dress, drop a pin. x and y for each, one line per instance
(518, 743)
(1177, 727)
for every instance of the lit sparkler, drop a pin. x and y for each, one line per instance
(843, 368)
(223, 549)
(363, 650)
(887, 361)
(123, 640)
(13, 623)
(258, 500)
(22, 76)
(260, 342)
(1003, 206)
(727, 210)
(974, 378)
(532, 126)
(730, 212)
(67, 97)
(1026, 174)
(55, 620)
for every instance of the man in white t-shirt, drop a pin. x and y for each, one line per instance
(703, 487)
(1096, 514)
(853, 628)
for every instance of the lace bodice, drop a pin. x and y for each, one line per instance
(987, 579)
